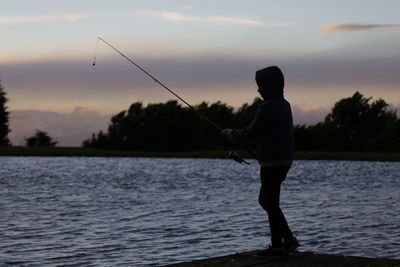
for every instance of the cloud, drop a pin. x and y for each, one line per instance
(69, 129)
(174, 16)
(245, 21)
(308, 116)
(352, 27)
(114, 84)
(6, 20)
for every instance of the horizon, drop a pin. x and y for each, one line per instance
(203, 50)
(83, 122)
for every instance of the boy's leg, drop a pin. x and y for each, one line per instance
(271, 179)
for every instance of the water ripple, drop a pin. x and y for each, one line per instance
(151, 212)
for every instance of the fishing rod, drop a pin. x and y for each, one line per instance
(232, 155)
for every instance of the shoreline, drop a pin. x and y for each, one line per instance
(91, 152)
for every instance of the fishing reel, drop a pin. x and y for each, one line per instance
(236, 157)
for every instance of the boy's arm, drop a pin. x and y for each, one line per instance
(252, 133)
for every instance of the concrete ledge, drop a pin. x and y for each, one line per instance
(306, 259)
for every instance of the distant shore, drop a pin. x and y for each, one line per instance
(90, 152)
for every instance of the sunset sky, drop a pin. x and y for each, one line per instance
(205, 50)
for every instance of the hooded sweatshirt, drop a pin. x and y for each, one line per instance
(272, 128)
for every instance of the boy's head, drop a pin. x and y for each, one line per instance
(270, 81)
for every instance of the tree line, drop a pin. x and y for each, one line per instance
(40, 138)
(4, 124)
(171, 127)
(354, 124)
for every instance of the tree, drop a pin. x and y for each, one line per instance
(165, 127)
(4, 127)
(40, 138)
(246, 112)
(354, 124)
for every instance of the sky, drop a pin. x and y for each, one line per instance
(204, 50)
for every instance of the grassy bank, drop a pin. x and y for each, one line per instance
(88, 152)
(363, 156)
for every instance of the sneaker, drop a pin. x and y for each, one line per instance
(270, 252)
(291, 244)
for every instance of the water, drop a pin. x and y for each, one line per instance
(151, 212)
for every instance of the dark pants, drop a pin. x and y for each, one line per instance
(271, 179)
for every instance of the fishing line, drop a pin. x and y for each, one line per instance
(95, 52)
(157, 81)
(233, 155)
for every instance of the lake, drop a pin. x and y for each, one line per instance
(156, 211)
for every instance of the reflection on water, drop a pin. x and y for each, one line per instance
(142, 211)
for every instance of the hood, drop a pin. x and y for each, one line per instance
(270, 81)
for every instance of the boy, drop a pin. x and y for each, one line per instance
(272, 133)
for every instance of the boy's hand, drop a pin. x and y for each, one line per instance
(226, 132)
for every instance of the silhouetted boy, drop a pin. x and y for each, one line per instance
(272, 133)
